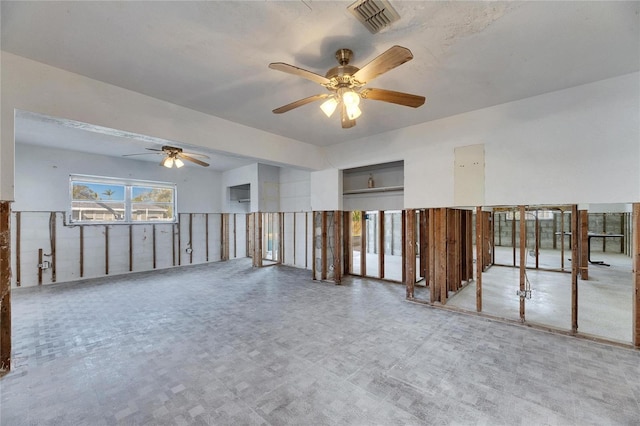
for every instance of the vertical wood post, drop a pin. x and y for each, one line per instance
(18, 238)
(562, 239)
(434, 292)
(224, 235)
(441, 255)
(235, 240)
(575, 264)
(190, 245)
(257, 239)
(130, 248)
(206, 237)
(537, 240)
(479, 258)
(153, 244)
(636, 274)
(81, 251)
(313, 245)
(106, 249)
(404, 251)
(363, 244)
(346, 243)
(381, 243)
(513, 237)
(294, 239)
(5, 287)
(173, 244)
(410, 250)
(424, 244)
(337, 247)
(583, 244)
(523, 257)
(323, 248)
(53, 240)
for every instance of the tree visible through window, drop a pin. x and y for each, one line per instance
(108, 200)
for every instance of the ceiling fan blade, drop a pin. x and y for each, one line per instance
(193, 154)
(299, 103)
(154, 149)
(393, 57)
(193, 160)
(399, 98)
(281, 66)
(346, 122)
(142, 153)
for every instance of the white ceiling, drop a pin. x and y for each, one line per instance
(213, 56)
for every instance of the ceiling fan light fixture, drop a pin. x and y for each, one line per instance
(329, 106)
(168, 162)
(353, 112)
(351, 98)
(178, 162)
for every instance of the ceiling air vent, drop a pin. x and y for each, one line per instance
(374, 14)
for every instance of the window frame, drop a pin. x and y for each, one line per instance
(128, 185)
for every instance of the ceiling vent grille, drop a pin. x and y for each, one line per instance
(374, 14)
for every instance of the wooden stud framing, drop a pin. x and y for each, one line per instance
(410, 253)
(561, 239)
(206, 237)
(224, 236)
(313, 244)
(106, 249)
(523, 258)
(441, 254)
(513, 236)
(363, 243)
(337, 250)
(18, 238)
(404, 251)
(323, 248)
(431, 269)
(479, 257)
(306, 241)
(636, 274)
(381, 244)
(173, 244)
(347, 250)
(488, 240)
(40, 259)
(81, 251)
(583, 239)
(5, 287)
(179, 231)
(130, 248)
(190, 244)
(153, 243)
(281, 258)
(294, 239)
(235, 239)
(424, 242)
(257, 239)
(575, 264)
(537, 240)
(52, 239)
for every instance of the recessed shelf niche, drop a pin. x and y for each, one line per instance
(374, 187)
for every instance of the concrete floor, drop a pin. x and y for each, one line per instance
(226, 344)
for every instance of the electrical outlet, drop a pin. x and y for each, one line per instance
(189, 250)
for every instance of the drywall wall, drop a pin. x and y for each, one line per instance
(326, 190)
(269, 188)
(240, 176)
(42, 178)
(36, 87)
(570, 146)
(295, 190)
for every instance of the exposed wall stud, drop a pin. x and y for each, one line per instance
(583, 243)
(363, 244)
(130, 248)
(410, 257)
(81, 251)
(5, 287)
(576, 264)
(636, 274)
(153, 243)
(106, 249)
(479, 257)
(323, 249)
(206, 237)
(18, 239)
(190, 244)
(523, 259)
(337, 250)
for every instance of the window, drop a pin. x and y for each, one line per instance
(96, 199)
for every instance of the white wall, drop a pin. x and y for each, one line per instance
(36, 87)
(240, 176)
(295, 190)
(571, 146)
(326, 190)
(42, 178)
(269, 188)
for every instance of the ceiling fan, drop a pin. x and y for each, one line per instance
(174, 156)
(345, 84)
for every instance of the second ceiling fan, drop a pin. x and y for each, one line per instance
(345, 84)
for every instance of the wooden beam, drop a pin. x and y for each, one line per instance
(636, 274)
(381, 244)
(224, 235)
(513, 237)
(53, 241)
(346, 243)
(410, 253)
(130, 248)
(18, 239)
(81, 251)
(306, 240)
(479, 257)
(404, 249)
(363, 244)
(583, 244)
(323, 249)
(40, 259)
(575, 264)
(488, 240)
(206, 237)
(523, 258)
(313, 244)
(190, 245)
(337, 249)
(280, 216)
(424, 244)
(441, 254)
(434, 294)
(179, 237)
(5, 287)
(294, 239)
(562, 239)
(153, 243)
(106, 249)
(537, 240)
(235, 239)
